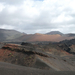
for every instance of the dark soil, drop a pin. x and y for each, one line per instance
(9, 69)
(45, 57)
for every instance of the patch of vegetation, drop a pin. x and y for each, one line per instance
(43, 50)
(12, 55)
(24, 58)
(16, 59)
(30, 57)
(12, 49)
(5, 51)
(9, 54)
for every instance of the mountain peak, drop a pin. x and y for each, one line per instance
(54, 33)
(37, 34)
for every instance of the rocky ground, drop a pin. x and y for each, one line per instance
(42, 58)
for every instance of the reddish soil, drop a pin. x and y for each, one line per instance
(42, 37)
(14, 57)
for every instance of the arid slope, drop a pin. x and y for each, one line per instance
(41, 57)
(42, 37)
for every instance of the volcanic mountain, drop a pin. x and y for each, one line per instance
(54, 33)
(70, 35)
(16, 36)
(9, 34)
(42, 37)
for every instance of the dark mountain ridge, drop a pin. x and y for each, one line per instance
(70, 34)
(9, 34)
(54, 32)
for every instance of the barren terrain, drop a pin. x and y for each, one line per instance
(45, 58)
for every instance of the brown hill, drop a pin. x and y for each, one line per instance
(42, 37)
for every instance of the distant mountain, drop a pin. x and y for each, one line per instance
(38, 37)
(9, 34)
(16, 36)
(54, 33)
(41, 37)
(38, 34)
(70, 34)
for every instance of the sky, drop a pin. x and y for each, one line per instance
(38, 16)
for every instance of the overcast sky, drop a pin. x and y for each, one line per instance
(38, 16)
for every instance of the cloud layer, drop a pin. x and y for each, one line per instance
(38, 16)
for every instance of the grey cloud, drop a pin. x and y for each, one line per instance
(12, 1)
(11, 18)
(23, 22)
(72, 14)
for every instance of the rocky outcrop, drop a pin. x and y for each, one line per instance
(68, 45)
